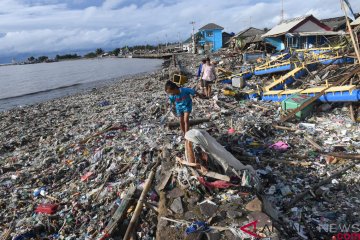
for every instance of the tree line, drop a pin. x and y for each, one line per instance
(98, 52)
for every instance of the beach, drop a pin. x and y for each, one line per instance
(84, 152)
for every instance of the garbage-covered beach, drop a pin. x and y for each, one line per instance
(105, 164)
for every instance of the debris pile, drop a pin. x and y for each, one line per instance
(108, 164)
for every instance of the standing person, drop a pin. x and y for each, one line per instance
(183, 103)
(203, 62)
(208, 76)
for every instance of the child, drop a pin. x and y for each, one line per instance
(183, 103)
(203, 62)
(208, 75)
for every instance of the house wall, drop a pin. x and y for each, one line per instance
(309, 26)
(214, 37)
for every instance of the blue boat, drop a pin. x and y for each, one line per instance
(340, 60)
(273, 69)
(337, 96)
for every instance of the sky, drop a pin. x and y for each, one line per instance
(28, 26)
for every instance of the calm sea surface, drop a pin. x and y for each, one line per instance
(28, 84)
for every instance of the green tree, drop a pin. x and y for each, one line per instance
(116, 51)
(31, 59)
(99, 51)
(90, 55)
(43, 58)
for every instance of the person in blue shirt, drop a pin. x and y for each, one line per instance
(181, 97)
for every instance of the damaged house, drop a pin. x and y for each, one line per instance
(301, 32)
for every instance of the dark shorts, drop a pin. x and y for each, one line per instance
(206, 83)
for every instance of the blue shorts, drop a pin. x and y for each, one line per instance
(182, 110)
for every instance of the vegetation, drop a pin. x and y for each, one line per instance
(99, 51)
(43, 58)
(90, 55)
(67, 56)
(116, 51)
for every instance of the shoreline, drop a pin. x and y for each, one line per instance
(63, 91)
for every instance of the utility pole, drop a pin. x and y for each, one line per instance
(282, 10)
(193, 35)
(179, 40)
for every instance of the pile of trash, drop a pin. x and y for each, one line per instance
(108, 164)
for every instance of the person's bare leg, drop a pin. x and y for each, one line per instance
(209, 91)
(182, 123)
(186, 121)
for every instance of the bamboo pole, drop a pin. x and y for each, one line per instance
(140, 203)
(356, 47)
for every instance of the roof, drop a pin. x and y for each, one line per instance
(335, 23)
(291, 24)
(249, 32)
(211, 26)
(327, 33)
(356, 22)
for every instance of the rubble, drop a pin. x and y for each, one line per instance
(90, 155)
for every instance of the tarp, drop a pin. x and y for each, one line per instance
(216, 151)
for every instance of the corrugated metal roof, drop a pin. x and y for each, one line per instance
(211, 26)
(285, 26)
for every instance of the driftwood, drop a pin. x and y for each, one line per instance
(191, 122)
(344, 155)
(313, 143)
(300, 196)
(284, 128)
(352, 115)
(140, 203)
(120, 212)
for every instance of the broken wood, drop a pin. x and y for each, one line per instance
(217, 176)
(162, 211)
(140, 203)
(283, 128)
(164, 181)
(300, 196)
(313, 143)
(352, 116)
(120, 211)
(344, 155)
(191, 122)
(318, 95)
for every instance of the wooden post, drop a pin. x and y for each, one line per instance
(140, 202)
(356, 47)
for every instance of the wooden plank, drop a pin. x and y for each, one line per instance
(165, 180)
(313, 143)
(284, 128)
(217, 176)
(318, 95)
(121, 211)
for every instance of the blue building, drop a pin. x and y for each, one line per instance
(211, 37)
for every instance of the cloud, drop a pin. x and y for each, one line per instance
(48, 25)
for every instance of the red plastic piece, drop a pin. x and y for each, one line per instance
(46, 208)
